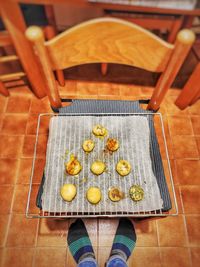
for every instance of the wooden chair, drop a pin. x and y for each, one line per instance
(110, 40)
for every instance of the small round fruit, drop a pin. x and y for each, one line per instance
(112, 144)
(88, 145)
(68, 192)
(136, 193)
(99, 130)
(98, 167)
(115, 194)
(73, 166)
(93, 195)
(123, 167)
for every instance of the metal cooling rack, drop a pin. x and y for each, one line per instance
(81, 210)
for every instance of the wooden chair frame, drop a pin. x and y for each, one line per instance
(110, 40)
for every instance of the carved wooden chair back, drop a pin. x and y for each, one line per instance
(110, 40)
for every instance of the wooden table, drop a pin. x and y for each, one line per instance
(15, 24)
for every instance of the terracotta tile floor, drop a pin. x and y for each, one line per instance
(170, 241)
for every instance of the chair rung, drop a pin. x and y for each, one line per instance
(11, 76)
(8, 58)
(5, 38)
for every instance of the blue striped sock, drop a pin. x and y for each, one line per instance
(125, 239)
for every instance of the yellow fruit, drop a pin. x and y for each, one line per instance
(98, 167)
(115, 194)
(99, 130)
(93, 195)
(136, 193)
(68, 192)
(123, 167)
(88, 145)
(112, 144)
(73, 166)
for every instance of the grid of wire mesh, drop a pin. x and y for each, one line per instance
(80, 207)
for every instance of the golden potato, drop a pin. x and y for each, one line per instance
(112, 144)
(88, 145)
(123, 167)
(73, 166)
(93, 195)
(115, 194)
(136, 193)
(68, 192)
(98, 167)
(99, 130)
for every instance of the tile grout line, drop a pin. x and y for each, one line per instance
(11, 206)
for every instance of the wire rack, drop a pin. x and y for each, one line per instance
(47, 187)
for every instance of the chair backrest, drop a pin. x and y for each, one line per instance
(110, 40)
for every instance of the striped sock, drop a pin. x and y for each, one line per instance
(125, 239)
(78, 241)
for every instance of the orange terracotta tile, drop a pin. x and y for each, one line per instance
(3, 228)
(52, 232)
(198, 143)
(171, 108)
(175, 257)
(147, 90)
(1, 256)
(180, 125)
(195, 254)
(29, 143)
(40, 106)
(6, 193)
(1, 120)
(188, 171)
(20, 198)
(21, 89)
(31, 128)
(130, 91)
(195, 108)
(8, 171)
(22, 232)
(33, 209)
(11, 146)
(191, 199)
(18, 257)
(46, 257)
(196, 124)
(14, 124)
(171, 231)
(193, 229)
(18, 104)
(70, 88)
(107, 230)
(160, 137)
(146, 231)
(24, 172)
(87, 89)
(109, 97)
(144, 257)
(3, 103)
(173, 92)
(184, 147)
(108, 89)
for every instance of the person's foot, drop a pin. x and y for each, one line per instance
(125, 239)
(78, 241)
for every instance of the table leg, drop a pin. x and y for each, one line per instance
(15, 25)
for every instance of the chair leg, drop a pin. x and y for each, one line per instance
(104, 68)
(191, 90)
(3, 89)
(50, 32)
